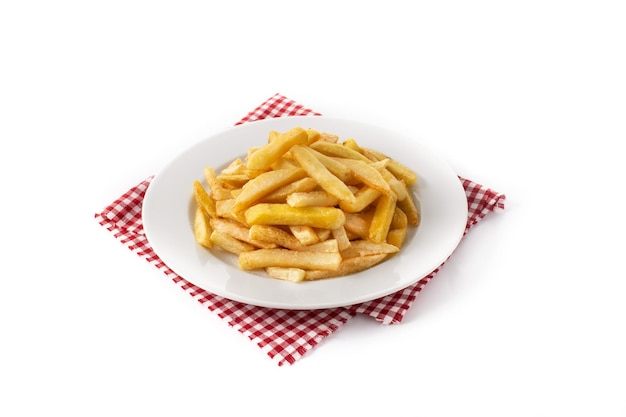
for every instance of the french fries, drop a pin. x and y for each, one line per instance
(304, 206)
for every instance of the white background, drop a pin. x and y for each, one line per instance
(527, 98)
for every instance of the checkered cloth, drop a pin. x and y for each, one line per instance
(284, 335)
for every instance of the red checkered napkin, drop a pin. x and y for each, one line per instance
(284, 335)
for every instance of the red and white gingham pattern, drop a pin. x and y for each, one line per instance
(285, 335)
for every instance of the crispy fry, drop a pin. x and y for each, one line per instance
(318, 198)
(230, 244)
(341, 171)
(264, 184)
(203, 200)
(409, 206)
(366, 247)
(318, 171)
(379, 227)
(347, 266)
(218, 192)
(280, 195)
(264, 157)
(273, 234)
(224, 208)
(337, 150)
(340, 235)
(286, 274)
(329, 245)
(367, 174)
(359, 223)
(305, 234)
(263, 258)
(238, 231)
(202, 229)
(396, 168)
(363, 198)
(396, 237)
(283, 214)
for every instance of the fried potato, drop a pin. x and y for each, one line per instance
(409, 206)
(341, 236)
(265, 156)
(275, 235)
(318, 171)
(280, 195)
(238, 231)
(203, 200)
(337, 150)
(346, 267)
(263, 258)
(284, 214)
(367, 174)
(218, 192)
(396, 168)
(366, 247)
(318, 198)
(202, 228)
(379, 226)
(264, 184)
(230, 244)
(305, 234)
(286, 274)
(362, 199)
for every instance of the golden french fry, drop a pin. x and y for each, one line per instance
(224, 208)
(358, 224)
(230, 244)
(234, 168)
(265, 156)
(363, 198)
(337, 150)
(323, 234)
(284, 214)
(409, 207)
(305, 234)
(338, 169)
(275, 235)
(396, 168)
(347, 266)
(379, 227)
(396, 237)
(264, 184)
(329, 245)
(313, 135)
(352, 144)
(202, 229)
(399, 220)
(317, 198)
(318, 171)
(340, 235)
(203, 200)
(218, 192)
(286, 274)
(280, 195)
(328, 137)
(397, 186)
(367, 174)
(366, 247)
(263, 258)
(238, 231)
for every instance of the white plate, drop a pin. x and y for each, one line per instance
(168, 219)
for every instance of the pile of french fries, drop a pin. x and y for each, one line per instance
(304, 206)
